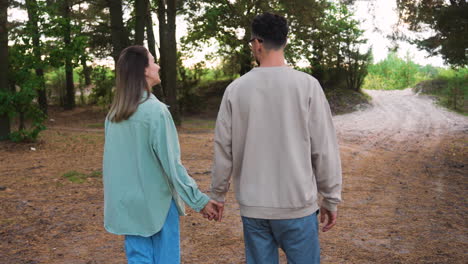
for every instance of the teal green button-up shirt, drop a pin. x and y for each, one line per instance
(143, 172)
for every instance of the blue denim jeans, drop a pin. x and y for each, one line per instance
(297, 237)
(160, 248)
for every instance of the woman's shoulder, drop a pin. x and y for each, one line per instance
(151, 107)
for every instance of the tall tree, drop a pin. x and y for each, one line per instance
(318, 32)
(157, 90)
(223, 20)
(449, 24)
(70, 87)
(141, 11)
(33, 15)
(4, 119)
(83, 57)
(150, 32)
(168, 53)
(119, 34)
(97, 27)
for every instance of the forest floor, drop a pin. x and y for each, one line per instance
(405, 178)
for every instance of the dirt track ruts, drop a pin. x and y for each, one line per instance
(404, 191)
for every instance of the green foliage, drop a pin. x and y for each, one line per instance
(453, 93)
(448, 22)
(78, 177)
(188, 79)
(395, 73)
(321, 32)
(104, 80)
(20, 104)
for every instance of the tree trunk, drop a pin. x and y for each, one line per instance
(162, 45)
(245, 60)
(84, 58)
(157, 89)
(246, 53)
(141, 8)
(86, 70)
(31, 6)
(119, 35)
(4, 119)
(150, 32)
(70, 88)
(171, 60)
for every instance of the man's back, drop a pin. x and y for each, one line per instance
(268, 115)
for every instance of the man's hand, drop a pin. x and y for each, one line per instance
(213, 210)
(331, 216)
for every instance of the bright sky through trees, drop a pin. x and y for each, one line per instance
(379, 17)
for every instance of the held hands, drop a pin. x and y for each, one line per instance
(331, 218)
(213, 210)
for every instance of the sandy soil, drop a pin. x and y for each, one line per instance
(405, 188)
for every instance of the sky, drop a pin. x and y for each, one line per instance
(372, 14)
(380, 14)
(384, 17)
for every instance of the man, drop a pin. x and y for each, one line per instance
(274, 135)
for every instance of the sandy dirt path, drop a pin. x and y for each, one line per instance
(405, 183)
(404, 196)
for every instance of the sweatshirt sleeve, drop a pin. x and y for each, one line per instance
(326, 160)
(166, 146)
(222, 161)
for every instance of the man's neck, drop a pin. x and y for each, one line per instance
(274, 58)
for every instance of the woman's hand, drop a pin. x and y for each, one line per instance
(213, 210)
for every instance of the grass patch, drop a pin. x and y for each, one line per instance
(198, 124)
(450, 88)
(95, 174)
(78, 177)
(95, 125)
(74, 176)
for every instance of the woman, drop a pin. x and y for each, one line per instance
(144, 180)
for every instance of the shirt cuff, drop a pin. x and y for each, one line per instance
(201, 203)
(330, 206)
(218, 196)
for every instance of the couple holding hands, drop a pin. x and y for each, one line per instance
(274, 137)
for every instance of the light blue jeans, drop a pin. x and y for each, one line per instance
(297, 237)
(160, 248)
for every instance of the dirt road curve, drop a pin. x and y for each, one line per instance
(405, 183)
(400, 116)
(404, 196)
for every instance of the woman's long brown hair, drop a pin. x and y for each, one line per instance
(130, 83)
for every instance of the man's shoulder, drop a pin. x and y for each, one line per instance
(241, 80)
(304, 75)
(291, 73)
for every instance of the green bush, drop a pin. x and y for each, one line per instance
(31, 118)
(20, 103)
(104, 80)
(396, 73)
(56, 84)
(454, 95)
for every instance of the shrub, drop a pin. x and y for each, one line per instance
(21, 104)
(104, 81)
(395, 73)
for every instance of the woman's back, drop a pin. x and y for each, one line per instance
(135, 187)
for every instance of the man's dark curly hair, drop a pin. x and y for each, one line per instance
(272, 29)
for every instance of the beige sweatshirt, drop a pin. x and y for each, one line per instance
(275, 137)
